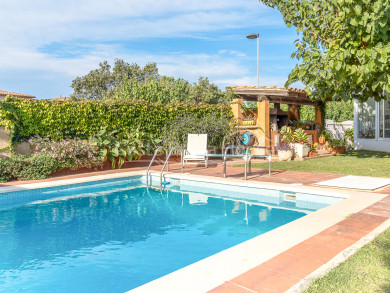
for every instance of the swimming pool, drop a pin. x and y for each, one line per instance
(115, 235)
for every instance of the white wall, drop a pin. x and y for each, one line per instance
(337, 129)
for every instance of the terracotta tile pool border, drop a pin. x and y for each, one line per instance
(289, 270)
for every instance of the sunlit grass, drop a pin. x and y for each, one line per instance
(367, 271)
(363, 163)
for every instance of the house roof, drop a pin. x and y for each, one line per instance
(17, 95)
(60, 99)
(274, 94)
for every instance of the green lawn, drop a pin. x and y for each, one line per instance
(366, 271)
(364, 163)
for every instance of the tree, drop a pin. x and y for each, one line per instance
(206, 92)
(100, 83)
(132, 82)
(343, 50)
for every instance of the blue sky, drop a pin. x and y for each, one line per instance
(46, 44)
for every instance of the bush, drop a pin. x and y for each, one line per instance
(119, 147)
(38, 167)
(27, 167)
(6, 168)
(69, 153)
(217, 129)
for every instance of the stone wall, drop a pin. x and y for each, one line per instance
(4, 141)
(21, 148)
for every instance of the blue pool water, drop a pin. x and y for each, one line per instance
(115, 235)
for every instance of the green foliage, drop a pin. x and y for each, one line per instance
(343, 50)
(27, 167)
(131, 82)
(61, 120)
(38, 167)
(218, 130)
(300, 136)
(336, 111)
(336, 143)
(168, 90)
(287, 135)
(349, 134)
(339, 111)
(102, 82)
(119, 147)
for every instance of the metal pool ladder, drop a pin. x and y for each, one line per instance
(151, 162)
(166, 162)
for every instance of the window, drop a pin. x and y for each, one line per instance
(366, 119)
(384, 119)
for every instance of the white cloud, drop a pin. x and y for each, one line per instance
(98, 28)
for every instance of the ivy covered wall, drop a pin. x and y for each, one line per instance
(60, 120)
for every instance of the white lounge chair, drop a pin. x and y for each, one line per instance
(196, 147)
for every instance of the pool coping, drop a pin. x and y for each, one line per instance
(216, 270)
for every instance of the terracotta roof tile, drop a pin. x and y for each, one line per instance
(25, 96)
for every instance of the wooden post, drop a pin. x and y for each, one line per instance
(293, 112)
(318, 115)
(263, 121)
(236, 106)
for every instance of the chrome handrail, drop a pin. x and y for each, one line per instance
(166, 162)
(151, 162)
(248, 158)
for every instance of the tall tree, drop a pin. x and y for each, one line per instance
(100, 83)
(343, 50)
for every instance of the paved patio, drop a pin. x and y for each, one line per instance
(290, 267)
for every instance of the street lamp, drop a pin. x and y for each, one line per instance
(256, 36)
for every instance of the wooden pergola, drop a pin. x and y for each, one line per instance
(278, 95)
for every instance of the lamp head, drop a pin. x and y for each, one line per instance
(252, 36)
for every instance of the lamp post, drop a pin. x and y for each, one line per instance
(256, 36)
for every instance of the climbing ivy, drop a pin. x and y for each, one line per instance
(61, 120)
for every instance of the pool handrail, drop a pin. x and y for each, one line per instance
(151, 162)
(166, 162)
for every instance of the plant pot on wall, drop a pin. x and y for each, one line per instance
(301, 150)
(285, 155)
(248, 122)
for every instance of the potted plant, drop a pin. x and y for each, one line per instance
(248, 120)
(337, 146)
(285, 151)
(313, 151)
(300, 143)
(322, 139)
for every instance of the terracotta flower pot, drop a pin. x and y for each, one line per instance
(321, 140)
(340, 150)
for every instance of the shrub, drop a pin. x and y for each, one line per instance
(217, 129)
(6, 168)
(69, 153)
(38, 167)
(117, 147)
(27, 167)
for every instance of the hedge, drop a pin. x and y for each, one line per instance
(60, 120)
